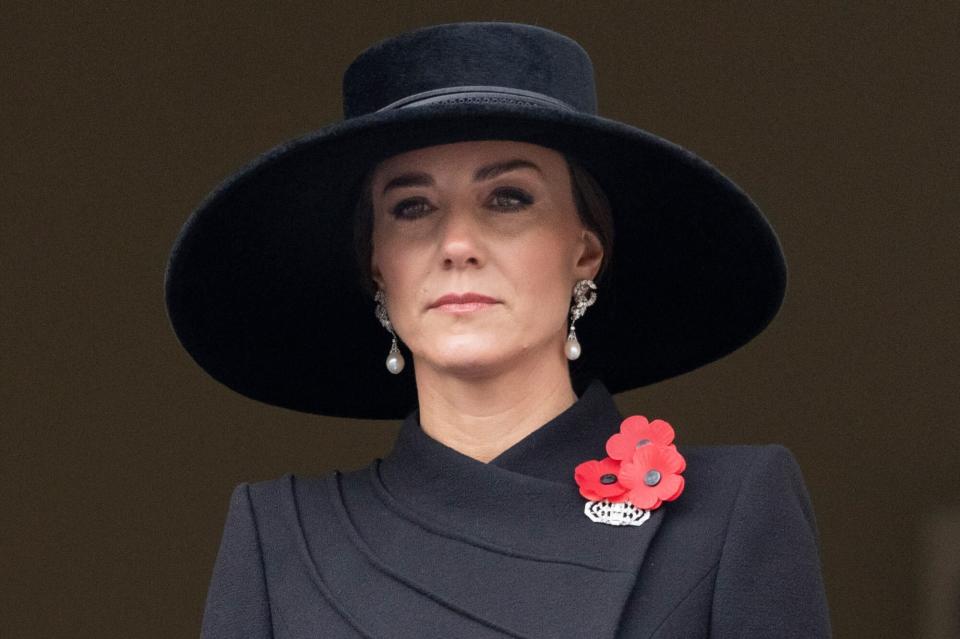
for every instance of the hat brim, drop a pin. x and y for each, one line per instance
(263, 290)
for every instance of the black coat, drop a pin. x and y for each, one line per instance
(431, 543)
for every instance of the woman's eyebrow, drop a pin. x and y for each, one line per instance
(408, 179)
(486, 172)
(491, 171)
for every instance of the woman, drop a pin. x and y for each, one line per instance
(525, 258)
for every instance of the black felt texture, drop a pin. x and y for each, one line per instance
(507, 55)
(430, 543)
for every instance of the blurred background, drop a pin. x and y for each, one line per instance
(119, 453)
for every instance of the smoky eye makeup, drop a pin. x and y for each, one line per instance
(503, 198)
(512, 198)
(411, 208)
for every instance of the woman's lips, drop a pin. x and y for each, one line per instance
(463, 303)
(462, 308)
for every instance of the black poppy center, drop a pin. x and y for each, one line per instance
(609, 478)
(652, 478)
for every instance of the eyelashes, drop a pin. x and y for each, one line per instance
(520, 199)
(410, 208)
(503, 199)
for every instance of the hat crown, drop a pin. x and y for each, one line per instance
(450, 61)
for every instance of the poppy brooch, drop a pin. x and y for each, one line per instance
(641, 471)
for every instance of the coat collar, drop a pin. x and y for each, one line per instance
(526, 498)
(481, 549)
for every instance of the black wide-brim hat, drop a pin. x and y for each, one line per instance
(262, 284)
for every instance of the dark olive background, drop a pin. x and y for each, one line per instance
(119, 453)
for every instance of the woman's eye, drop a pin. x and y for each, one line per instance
(511, 199)
(503, 199)
(412, 208)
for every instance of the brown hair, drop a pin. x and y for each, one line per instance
(593, 209)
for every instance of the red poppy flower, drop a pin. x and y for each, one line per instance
(652, 475)
(600, 480)
(635, 432)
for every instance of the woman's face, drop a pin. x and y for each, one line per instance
(492, 218)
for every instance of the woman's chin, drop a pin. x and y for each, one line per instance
(475, 359)
(483, 353)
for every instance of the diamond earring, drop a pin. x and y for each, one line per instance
(394, 357)
(584, 295)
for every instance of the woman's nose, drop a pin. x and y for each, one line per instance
(461, 239)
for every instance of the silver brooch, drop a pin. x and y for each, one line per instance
(621, 513)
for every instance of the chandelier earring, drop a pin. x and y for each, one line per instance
(394, 360)
(584, 295)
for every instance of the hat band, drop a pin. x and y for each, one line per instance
(478, 94)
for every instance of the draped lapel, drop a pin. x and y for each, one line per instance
(475, 549)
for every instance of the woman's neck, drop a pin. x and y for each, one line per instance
(483, 416)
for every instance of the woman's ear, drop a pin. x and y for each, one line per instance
(589, 255)
(375, 274)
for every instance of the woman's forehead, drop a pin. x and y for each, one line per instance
(470, 156)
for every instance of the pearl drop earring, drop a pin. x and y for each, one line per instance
(395, 360)
(584, 295)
